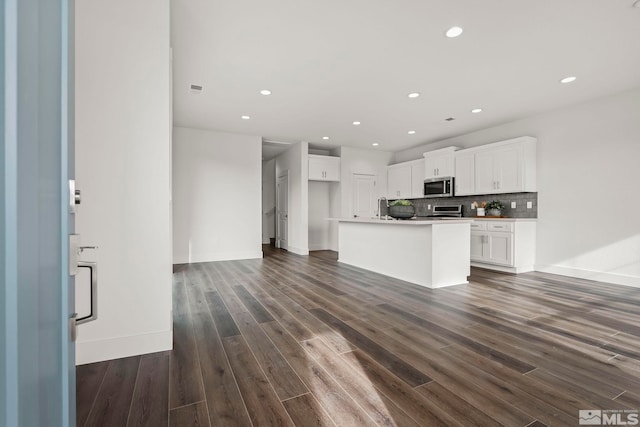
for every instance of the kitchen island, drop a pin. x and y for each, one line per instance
(428, 252)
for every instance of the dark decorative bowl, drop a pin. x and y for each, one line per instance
(401, 212)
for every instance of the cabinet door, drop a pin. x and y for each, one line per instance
(332, 169)
(508, 170)
(465, 180)
(417, 179)
(324, 168)
(438, 165)
(316, 170)
(500, 248)
(399, 182)
(484, 172)
(479, 246)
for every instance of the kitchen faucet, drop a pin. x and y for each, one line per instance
(386, 204)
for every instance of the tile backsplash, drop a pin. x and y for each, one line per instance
(520, 199)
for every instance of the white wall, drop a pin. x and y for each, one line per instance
(588, 176)
(319, 211)
(216, 196)
(296, 161)
(268, 200)
(123, 147)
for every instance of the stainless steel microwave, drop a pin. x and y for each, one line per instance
(438, 187)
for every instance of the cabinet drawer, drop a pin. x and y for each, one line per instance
(500, 226)
(478, 226)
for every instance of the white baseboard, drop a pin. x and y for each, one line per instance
(600, 276)
(298, 251)
(116, 348)
(217, 256)
(318, 247)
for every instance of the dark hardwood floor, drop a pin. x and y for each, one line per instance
(291, 340)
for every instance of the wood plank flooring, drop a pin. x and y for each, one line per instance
(305, 341)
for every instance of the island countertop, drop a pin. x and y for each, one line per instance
(410, 222)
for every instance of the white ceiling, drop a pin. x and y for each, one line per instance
(329, 63)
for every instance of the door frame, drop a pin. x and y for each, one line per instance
(37, 360)
(284, 174)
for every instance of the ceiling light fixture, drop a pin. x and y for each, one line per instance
(325, 137)
(375, 144)
(417, 94)
(453, 32)
(411, 132)
(265, 92)
(245, 117)
(356, 123)
(476, 110)
(568, 79)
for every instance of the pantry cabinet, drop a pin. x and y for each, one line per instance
(324, 168)
(505, 245)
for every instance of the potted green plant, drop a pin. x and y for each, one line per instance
(401, 209)
(494, 208)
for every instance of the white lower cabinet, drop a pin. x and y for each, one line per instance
(505, 245)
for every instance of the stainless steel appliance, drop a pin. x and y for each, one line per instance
(447, 211)
(438, 187)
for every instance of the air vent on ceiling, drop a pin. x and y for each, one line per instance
(450, 119)
(195, 89)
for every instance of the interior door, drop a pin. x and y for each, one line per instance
(282, 211)
(364, 195)
(37, 369)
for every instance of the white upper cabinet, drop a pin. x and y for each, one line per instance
(439, 163)
(417, 179)
(399, 181)
(405, 180)
(465, 177)
(502, 167)
(324, 168)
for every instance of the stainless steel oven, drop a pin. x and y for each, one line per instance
(438, 187)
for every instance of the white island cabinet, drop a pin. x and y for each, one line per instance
(430, 253)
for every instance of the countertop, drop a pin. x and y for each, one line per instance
(484, 218)
(411, 222)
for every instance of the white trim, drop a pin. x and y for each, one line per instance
(116, 348)
(600, 276)
(298, 251)
(318, 247)
(217, 256)
(504, 269)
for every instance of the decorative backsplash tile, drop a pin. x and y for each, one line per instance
(520, 199)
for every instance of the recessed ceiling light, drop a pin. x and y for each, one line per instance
(453, 32)
(417, 94)
(476, 110)
(245, 117)
(568, 79)
(411, 132)
(375, 144)
(325, 137)
(265, 92)
(356, 123)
